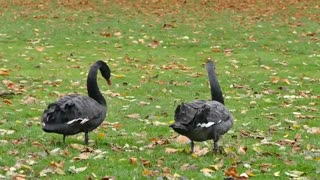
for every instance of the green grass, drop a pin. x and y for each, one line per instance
(48, 47)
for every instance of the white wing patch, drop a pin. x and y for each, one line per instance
(209, 124)
(79, 119)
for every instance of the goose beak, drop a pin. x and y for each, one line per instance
(109, 82)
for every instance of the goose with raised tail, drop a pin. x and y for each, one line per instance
(203, 120)
(73, 114)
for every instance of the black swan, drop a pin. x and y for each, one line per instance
(75, 113)
(202, 120)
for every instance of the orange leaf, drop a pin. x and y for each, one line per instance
(133, 160)
(7, 101)
(285, 81)
(4, 72)
(39, 48)
(232, 171)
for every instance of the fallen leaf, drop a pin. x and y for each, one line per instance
(4, 72)
(39, 48)
(277, 174)
(182, 140)
(170, 150)
(77, 146)
(108, 178)
(7, 101)
(207, 172)
(231, 172)
(147, 172)
(217, 166)
(145, 163)
(294, 173)
(285, 81)
(265, 167)
(117, 33)
(133, 116)
(188, 166)
(201, 152)
(314, 130)
(75, 170)
(242, 150)
(82, 156)
(133, 160)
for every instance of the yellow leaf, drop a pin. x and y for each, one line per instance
(285, 81)
(274, 79)
(4, 72)
(118, 75)
(277, 174)
(101, 135)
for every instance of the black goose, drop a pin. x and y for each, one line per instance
(202, 120)
(75, 113)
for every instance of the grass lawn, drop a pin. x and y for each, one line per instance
(268, 64)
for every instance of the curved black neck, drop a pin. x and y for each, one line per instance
(92, 85)
(216, 92)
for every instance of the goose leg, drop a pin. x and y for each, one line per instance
(215, 146)
(64, 139)
(86, 137)
(192, 146)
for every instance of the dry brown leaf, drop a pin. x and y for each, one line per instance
(217, 166)
(182, 140)
(108, 178)
(145, 163)
(4, 72)
(285, 80)
(154, 44)
(232, 171)
(314, 130)
(7, 101)
(188, 166)
(117, 33)
(171, 150)
(82, 156)
(201, 152)
(133, 116)
(275, 79)
(77, 146)
(242, 150)
(39, 48)
(265, 167)
(166, 170)
(133, 160)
